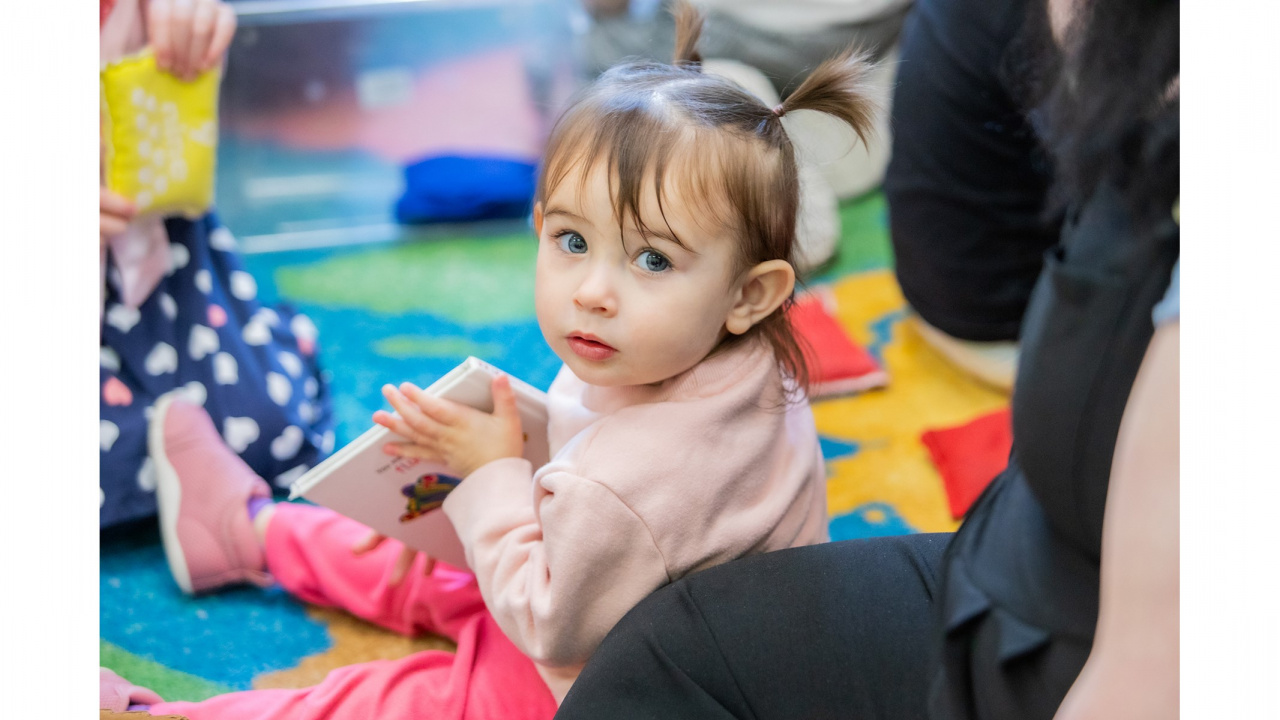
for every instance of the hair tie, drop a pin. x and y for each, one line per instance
(778, 110)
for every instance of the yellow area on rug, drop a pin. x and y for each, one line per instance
(925, 392)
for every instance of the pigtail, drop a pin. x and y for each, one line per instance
(688, 28)
(839, 87)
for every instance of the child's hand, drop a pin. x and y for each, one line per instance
(114, 214)
(189, 36)
(462, 438)
(403, 562)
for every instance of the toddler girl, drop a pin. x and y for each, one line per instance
(680, 435)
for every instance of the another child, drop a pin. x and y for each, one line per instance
(179, 310)
(681, 439)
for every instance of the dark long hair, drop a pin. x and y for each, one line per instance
(1111, 110)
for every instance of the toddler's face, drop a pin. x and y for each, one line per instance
(630, 309)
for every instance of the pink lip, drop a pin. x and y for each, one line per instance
(590, 347)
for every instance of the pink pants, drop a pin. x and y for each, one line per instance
(309, 553)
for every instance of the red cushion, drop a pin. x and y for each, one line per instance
(837, 365)
(969, 456)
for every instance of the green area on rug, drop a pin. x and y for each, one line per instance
(427, 346)
(864, 239)
(171, 684)
(472, 281)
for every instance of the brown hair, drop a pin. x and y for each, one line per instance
(644, 117)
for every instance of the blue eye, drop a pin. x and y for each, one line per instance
(572, 242)
(653, 261)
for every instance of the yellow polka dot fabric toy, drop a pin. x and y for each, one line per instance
(160, 136)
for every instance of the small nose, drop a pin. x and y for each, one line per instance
(596, 294)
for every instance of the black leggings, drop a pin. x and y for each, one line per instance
(842, 630)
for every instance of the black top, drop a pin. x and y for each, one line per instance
(1020, 594)
(967, 181)
(1093, 323)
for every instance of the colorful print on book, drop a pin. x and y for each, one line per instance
(426, 494)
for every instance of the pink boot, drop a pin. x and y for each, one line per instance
(117, 694)
(202, 489)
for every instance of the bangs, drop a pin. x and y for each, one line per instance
(647, 144)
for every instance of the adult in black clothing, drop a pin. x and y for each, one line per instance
(968, 178)
(1058, 597)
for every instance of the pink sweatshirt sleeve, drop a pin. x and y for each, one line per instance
(558, 565)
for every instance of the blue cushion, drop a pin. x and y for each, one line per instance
(451, 188)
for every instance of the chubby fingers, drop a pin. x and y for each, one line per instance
(189, 36)
(421, 427)
(394, 423)
(160, 32)
(115, 203)
(204, 18)
(412, 450)
(442, 411)
(504, 398)
(110, 226)
(114, 213)
(223, 30)
(368, 542)
(403, 562)
(181, 13)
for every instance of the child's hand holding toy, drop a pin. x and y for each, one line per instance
(115, 211)
(160, 115)
(403, 562)
(189, 36)
(458, 436)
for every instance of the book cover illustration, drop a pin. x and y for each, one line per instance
(426, 494)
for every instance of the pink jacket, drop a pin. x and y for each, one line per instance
(646, 485)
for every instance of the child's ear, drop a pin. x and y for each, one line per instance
(763, 289)
(537, 219)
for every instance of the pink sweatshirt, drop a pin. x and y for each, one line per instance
(646, 485)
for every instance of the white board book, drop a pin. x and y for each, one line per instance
(401, 497)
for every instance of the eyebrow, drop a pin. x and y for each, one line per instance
(648, 232)
(566, 213)
(669, 237)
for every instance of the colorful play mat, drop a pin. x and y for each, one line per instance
(412, 310)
